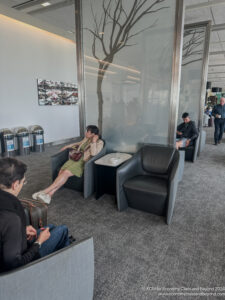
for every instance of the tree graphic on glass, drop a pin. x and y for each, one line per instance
(119, 22)
(191, 73)
(193, 45)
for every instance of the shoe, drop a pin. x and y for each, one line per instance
(71, 239)
(44, 197)
(35, 195)
(219, 142)
(215, 144)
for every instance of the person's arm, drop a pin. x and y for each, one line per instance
(96, 147)
(215, 111)
(194, 132)
(179, 129)
(12, 245)
(71, 145)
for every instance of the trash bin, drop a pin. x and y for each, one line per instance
(7, 143)
(38, 138)
(23, 140)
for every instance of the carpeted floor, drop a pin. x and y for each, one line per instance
(136, 252)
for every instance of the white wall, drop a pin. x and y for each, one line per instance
(28, 53)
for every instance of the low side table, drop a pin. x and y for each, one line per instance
(105, 172)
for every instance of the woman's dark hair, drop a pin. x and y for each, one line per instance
(93, 129)
(11, 170)
(185, 115)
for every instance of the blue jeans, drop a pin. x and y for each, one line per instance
(58, 239)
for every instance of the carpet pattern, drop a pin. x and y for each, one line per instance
(136, 252)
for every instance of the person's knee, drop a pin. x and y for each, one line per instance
(66, 173)
(63, 229)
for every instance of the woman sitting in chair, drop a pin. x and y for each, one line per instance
(79, 153)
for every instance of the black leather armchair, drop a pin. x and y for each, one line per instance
(85, 183)
(149, 180)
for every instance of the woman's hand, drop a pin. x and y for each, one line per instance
(95, 138)
(31, 232)
(63, 148)
(188, 143)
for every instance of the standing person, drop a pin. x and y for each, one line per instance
(21, 244)
(219, 114)
(186, 132)
(90, 146)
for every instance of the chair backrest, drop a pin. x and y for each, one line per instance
(157, 159)
(65, 274)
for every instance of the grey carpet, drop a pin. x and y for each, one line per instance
(135, 251)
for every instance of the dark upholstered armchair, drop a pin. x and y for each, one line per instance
(191, 151)
(149, 180)
(85, 183)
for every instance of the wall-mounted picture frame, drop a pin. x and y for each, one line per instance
(56, 92)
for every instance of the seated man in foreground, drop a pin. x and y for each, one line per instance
(186, 132)
(21, 244)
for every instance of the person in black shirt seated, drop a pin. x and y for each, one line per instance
(21, 244)
(186, 132)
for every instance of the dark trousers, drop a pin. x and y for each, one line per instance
(219, 129)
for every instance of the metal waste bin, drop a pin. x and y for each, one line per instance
(7, 143)
(23, 140)
(38, 138)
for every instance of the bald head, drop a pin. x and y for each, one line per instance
(222, 101)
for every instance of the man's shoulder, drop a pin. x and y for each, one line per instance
(9, 218)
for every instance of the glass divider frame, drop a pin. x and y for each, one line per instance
(205, 64)
(80, 64)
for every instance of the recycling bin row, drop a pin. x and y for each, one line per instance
(21, 140)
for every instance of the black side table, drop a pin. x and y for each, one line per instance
(105, 173)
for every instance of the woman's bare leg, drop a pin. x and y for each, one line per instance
(58, 182)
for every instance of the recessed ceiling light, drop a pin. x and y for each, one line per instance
(46, 4)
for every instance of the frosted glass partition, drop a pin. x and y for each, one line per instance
(194, 71)
(129, 67)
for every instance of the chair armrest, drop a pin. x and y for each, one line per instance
(128, 170)
(202, 141)
(89, 173)
(196, 147)
(173, 184)
(57, 161)
(65, 274)
(181, 164)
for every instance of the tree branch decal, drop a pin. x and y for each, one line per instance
(118, 23)
(193, 45)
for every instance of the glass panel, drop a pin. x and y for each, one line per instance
(128, 49)
(192, 72)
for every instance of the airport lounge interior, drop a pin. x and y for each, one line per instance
(112, 153)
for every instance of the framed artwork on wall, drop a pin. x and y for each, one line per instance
(56, 92)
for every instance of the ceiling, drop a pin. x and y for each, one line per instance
(61, 14)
